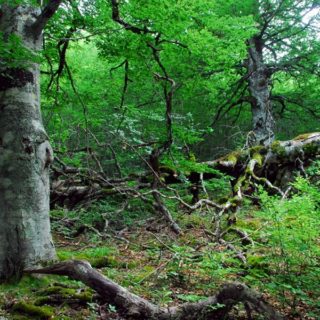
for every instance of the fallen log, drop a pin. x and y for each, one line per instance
(133, 307)
(274, 165)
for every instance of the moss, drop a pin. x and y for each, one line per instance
(36, 312)
(58, 290)
(248, 223)
(103, 262)
(278, 149)
(258, 157)
(264, 180)
(258, 149)
(233, 157)
(79, 298)
(63, 293)
(166, 170)
(239, 183)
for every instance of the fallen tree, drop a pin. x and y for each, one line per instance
(133, 307)
(273, 166)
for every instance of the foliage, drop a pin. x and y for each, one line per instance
(105, 106)
(290, 250)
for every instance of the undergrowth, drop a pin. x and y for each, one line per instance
(282, 261)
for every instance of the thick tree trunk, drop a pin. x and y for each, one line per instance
(263, 122)
(25, 153)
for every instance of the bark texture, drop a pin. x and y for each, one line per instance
(263, 122)
(133, 307)
(25, 153)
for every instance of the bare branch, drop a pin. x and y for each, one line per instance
(134, 307)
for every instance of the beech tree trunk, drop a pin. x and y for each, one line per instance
(263, 122)
(25, 152)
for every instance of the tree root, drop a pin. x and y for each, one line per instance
(133, 307)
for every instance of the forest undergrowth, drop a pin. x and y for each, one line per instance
(274, 247)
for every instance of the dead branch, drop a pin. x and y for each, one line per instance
(133, 307)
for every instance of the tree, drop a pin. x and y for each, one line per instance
(26, 154)
(285, 43)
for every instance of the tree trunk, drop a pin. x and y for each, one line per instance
(263, 122)
(25, 153)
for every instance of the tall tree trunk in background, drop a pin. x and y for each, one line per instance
(25, 153)
(263, 122)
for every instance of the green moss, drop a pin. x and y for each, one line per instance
(233, 157)
(26, 284)
(58, 290)
(258, 149)
(239, 183)
(258, 157)
(167, 171)
(252, 224)
(278, 149)
(103, 262)
(257, 153)
(36, 312)
(63, 293)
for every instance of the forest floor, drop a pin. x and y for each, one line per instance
(145, 257)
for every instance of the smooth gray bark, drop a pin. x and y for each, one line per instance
(25, 153)
(263, 122)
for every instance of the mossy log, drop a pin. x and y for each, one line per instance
(274, 165)
(133, 307)
(43, 312)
